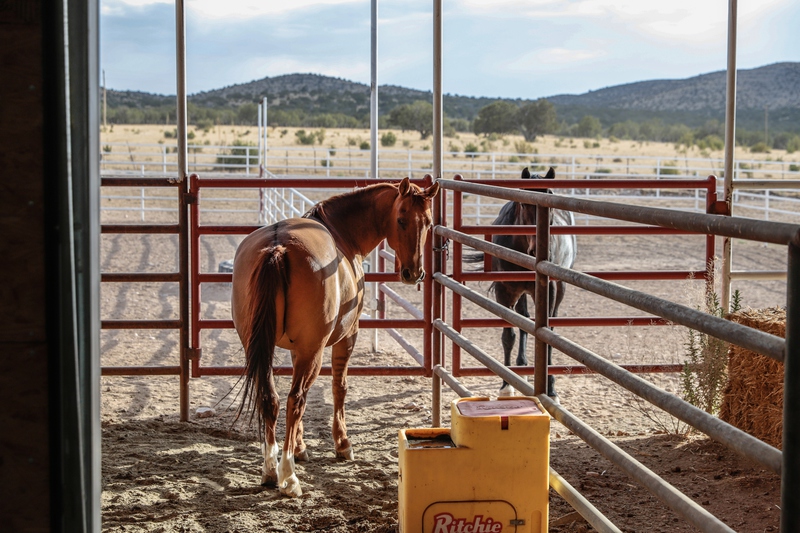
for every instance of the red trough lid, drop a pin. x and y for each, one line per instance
(503, 408)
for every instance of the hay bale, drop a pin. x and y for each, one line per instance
(753, 398)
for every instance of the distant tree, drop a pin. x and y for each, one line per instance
(497, 117)
(458, 124)
(624, 130)
(247, 114)
(414, 117)
(589, 126)
(536, 118)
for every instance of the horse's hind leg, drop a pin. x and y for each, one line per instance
(556, 290)
(522, 309)
(306, 370)
(506, 296)
(340, 357)
(270, 408)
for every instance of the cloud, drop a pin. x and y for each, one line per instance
(231, 9)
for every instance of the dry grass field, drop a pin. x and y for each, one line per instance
(342, 138)
(338, 152)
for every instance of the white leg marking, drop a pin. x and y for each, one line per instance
(346, 454)
(507, 390)
(287, 480)
(269, 470)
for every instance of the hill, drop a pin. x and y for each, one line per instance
(692, 101)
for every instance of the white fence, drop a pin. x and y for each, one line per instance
(270, 205)
(352, 162)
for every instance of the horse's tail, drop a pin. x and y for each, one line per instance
(268, 279)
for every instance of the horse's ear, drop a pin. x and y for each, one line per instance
(551, 174)
(431, 191)
(526, 174)
(405, 187)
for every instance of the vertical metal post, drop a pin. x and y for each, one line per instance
(790, 471)
(373, 100)
(266, 134)
(260, 137)
(730, 145)
(438, 219)
(541, 299)
(457, 251)
(373, 148)
(183, 215)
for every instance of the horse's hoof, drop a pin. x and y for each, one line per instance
(346, 454)
(506, 390)
(302, 455)
(291, 487)
(553, 395)
(269, 479)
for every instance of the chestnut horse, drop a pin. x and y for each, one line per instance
(299, 284)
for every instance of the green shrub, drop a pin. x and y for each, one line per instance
(364, 145)
(239, 155)
(388, 139)
(470, 150)
(668, 168)
(759, 148)
(305, 138)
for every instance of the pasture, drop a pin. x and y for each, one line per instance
(162, 475)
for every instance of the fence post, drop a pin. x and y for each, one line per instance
(164, 159)
(658, 176)
(247, 160)
(541, 295)
(790, 471)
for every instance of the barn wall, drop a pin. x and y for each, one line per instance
(24, 440)
(49, 453)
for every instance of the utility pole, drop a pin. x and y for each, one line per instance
(105, 102)
(766, 125)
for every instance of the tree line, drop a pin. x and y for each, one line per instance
(529, 119)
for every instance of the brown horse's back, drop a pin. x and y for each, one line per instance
(323, 298)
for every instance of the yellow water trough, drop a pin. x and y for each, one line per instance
(488, 474)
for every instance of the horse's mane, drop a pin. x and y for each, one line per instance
(345, 201)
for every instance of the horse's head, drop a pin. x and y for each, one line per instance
(408, 228)
(526, 213)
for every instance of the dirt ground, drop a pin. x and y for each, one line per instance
(162, 475)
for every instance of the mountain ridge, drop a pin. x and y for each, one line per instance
(773, 89)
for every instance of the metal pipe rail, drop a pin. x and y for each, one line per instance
(728, 435)
(664, 491)
(727, 226)
(181, 229)
(734, 227)
(529, 262)
(752, 339)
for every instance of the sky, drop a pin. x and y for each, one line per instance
(493, 48)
